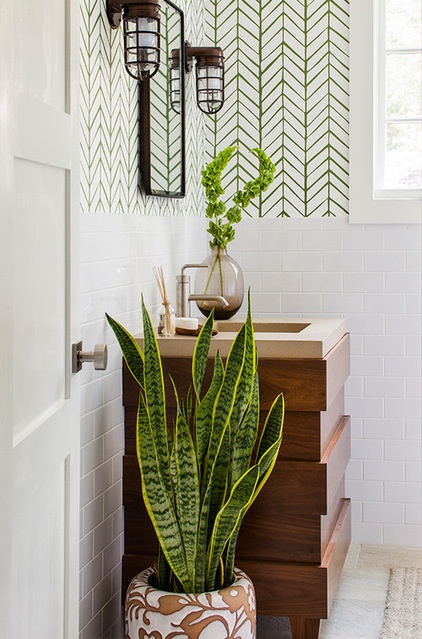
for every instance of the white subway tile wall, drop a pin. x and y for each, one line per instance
(117, 255)
(371, 276)
(383, 391)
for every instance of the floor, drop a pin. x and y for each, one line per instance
(358, 608)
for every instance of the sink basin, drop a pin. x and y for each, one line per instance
(262, 326)
(275, 338)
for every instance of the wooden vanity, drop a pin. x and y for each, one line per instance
(294, 539)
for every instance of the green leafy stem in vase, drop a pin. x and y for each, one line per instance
(222, 219)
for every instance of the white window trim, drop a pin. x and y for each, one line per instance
(364, 207)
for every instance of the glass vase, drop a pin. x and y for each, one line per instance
(222, 278)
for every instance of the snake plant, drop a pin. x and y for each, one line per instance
(200, 476)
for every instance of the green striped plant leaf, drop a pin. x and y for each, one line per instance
(204, 411)
(200, 354)
(158, 499)
(244, 387)
(245, 437)
(187, 490)
(132, 352)
(267, 460)
(155, 396)
(228, 519)
(243, 494)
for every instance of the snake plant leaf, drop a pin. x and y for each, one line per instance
(271, 430)
(163, 571)
(266, 463)
(157, 499)
(155, 397)
(212, 501)
(215, 480)
(187, 490)
(204, 411)
(228, 519)
(218, 483)
(242, 497)
(272, 434)
(200, 354)
(131, 350)
(229, 555)
(244, 387)
(245, 437)
(226, 397)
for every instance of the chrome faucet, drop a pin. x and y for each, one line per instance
(184, 296)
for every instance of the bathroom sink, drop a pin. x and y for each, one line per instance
(262, 326)
(275, 338)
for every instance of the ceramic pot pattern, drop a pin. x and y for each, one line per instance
(229, 613)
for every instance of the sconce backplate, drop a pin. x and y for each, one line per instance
(114, 13)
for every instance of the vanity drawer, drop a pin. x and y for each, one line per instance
(303, 590)
(306, 487)
(291, 537)
(305, 434)
(307, 384)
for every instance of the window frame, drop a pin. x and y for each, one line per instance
(366, 205)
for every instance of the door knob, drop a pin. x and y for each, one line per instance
(98, 356)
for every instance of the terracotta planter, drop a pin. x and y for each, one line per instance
(229, 613)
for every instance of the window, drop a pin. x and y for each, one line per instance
(385, 111)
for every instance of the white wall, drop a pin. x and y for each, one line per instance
(117, 255)
(372, 276)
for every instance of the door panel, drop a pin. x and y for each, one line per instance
(40, 41)
(42, 513)
(39, 227)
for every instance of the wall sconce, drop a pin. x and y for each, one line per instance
(141, 34)
(155, 45)
(209, 77)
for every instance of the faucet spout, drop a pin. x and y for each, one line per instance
(211, 298)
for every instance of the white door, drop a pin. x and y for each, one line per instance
(39, 405)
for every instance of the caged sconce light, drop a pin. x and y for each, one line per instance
(209, 77)
(141, 34)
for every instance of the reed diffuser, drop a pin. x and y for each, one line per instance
(168, 328)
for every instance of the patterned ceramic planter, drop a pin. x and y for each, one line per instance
(229, 613)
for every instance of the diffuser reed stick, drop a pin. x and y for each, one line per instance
(169, 328)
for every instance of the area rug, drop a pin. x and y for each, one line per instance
(403, 608)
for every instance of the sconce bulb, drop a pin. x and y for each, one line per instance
(210, 88)
(141, 46)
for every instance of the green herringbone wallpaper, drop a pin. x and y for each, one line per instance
(109, 122)
(287, 91)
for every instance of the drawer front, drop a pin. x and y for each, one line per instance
(302, 590)
(307, 384)
(305, 487)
